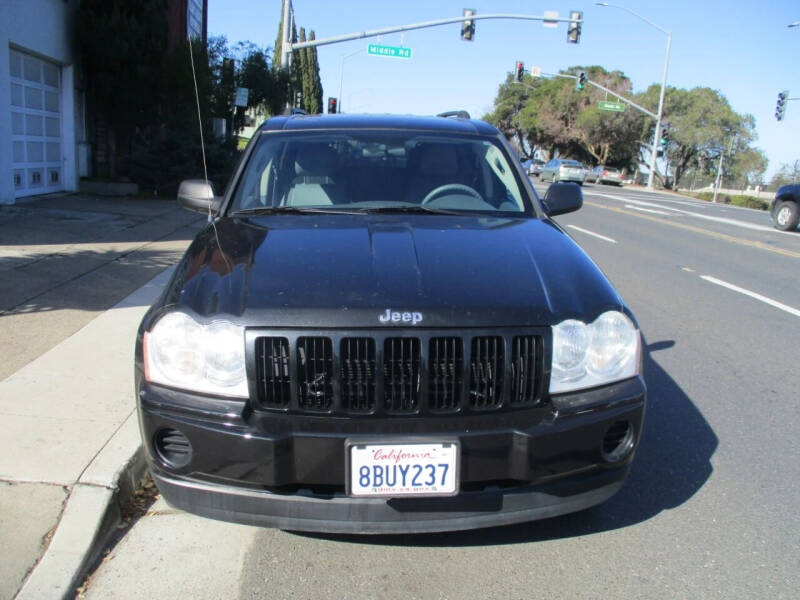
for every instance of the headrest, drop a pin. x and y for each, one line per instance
(438, 159)
(315, 159)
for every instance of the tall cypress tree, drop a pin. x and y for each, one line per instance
(314, 103)
(302, 56)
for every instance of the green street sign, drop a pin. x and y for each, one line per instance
(390, 51)
(612, 106)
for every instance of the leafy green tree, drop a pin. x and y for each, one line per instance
(549, 116)
(702, 125)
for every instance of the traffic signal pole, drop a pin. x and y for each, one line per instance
(287, 46)
(605, 89)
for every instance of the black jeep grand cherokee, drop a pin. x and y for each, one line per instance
(382, 330)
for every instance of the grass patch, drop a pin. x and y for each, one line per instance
(738, 200)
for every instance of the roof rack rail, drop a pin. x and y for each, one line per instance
(294, 111)
(461, 114)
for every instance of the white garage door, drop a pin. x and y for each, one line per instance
(35, 125)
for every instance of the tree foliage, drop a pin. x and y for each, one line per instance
(549, 116)
(545, 117)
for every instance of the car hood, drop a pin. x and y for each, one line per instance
(348, 270)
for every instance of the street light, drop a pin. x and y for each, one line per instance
(656, 136)
(341, 73)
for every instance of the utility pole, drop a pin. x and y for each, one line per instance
(717, 182)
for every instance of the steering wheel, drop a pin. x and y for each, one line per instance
(454, 187)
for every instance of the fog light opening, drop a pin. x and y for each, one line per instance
(618, 441)
(173, 448)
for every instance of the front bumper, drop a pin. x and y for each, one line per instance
(288, 471)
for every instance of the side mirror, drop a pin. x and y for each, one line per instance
(198, 195)
(562, 198)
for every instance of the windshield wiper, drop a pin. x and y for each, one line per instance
(289, 210)
(414, 208)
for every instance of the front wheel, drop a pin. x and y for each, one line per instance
(787, 216)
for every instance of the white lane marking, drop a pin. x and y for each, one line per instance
(692, 203)
(648, 210)
(592, 233)
(687, 269)
(734, 222)
(764, 299)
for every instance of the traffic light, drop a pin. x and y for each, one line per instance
(331, 105)
(581, 83)
(780, 109)
(664, 134)
(574, 29)
(520, 70)
(468, 25)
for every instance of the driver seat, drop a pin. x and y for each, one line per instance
(434, 165)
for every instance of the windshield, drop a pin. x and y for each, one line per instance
(374, 171)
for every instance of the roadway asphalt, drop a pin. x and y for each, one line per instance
(710, 509)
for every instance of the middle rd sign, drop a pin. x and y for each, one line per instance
(390, 51)
(612, 106)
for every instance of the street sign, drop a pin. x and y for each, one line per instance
(536, 71)
(390, 51)
(612, 106)
(548, 15)
(241, 96)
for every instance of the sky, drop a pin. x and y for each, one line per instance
(743, 49)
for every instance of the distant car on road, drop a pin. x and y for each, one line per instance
(604, 174)
(535, 168)
(785, 209)
(563, 169)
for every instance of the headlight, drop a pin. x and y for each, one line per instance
(601, 352)
(180, 352)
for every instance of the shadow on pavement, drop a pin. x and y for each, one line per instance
(85, 280)
(672, 463)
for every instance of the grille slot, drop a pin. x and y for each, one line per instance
(445, 368)
(486, 372)
(357, 372)
(401, 374)
(272, 371)
(314, 373)
(526, 370)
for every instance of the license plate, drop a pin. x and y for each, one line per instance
(403, 469)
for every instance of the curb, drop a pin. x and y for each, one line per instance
(93, 509)
(90, 518)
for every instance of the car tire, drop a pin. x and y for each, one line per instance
(787, 215)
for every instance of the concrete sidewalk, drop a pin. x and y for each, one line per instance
(69, 439)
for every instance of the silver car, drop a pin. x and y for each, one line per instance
(604, 174)
(563, 169)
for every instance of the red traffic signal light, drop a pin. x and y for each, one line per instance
(332, 106)
(520, 70)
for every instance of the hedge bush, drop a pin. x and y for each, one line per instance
(738, 200)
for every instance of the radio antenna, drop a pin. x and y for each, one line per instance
(199, 121)
(203, 150)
